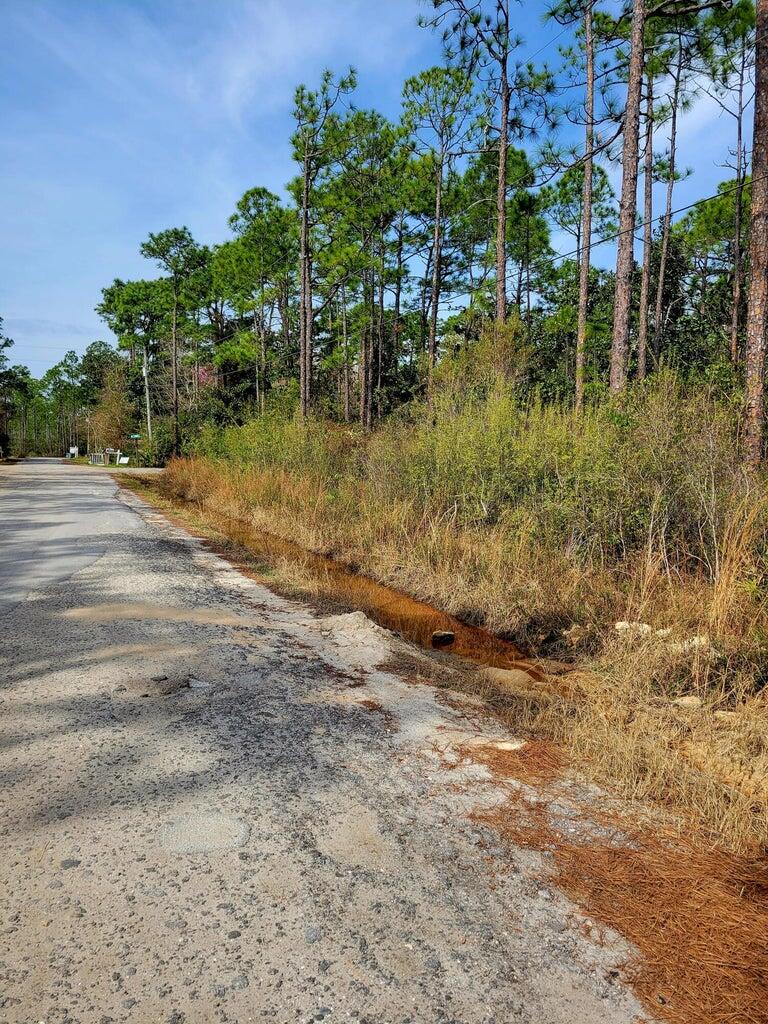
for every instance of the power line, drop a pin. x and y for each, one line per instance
(600, 241)
(661, 216)
(549, 42)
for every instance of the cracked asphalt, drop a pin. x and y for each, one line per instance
(215, 805)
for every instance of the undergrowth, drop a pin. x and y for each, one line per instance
(550, 529)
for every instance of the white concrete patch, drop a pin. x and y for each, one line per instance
(204, 832)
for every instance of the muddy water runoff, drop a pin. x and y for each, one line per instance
(413, 619)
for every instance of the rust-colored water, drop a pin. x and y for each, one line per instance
(415, 620)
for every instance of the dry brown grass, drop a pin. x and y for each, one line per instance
(694, 764)
(616, 716)
(490, 576)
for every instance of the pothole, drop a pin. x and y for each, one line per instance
(163, 686)
(204, 832)
(154, 686)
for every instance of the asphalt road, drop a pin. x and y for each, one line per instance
(215, 806)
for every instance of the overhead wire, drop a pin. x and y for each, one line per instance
(600, 241)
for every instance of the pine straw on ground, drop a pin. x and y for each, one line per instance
(536, 762)
(697, 916)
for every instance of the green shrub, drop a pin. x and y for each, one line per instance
(660, 467)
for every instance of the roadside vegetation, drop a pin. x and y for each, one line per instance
(629, 540)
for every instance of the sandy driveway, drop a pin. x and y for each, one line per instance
(214, 807)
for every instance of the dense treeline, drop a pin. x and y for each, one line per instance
(69, 405)
(399, 242)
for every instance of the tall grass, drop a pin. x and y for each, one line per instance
(531, 520)
(608, 511)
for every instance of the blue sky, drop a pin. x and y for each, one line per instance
(121, 117)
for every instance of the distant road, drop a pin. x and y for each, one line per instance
(215, 808)
(55, 520)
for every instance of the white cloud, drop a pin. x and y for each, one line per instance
(35, 326)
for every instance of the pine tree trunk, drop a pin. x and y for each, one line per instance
(366, 352)
(622, 306)
(362, 366)
(380, 333)
(667, 224)
(345, 343)
(145, 369)
(758, 251)
(396, 333)
(436, 249)
(645, 282)
(423, 319)
(528, 275)
(263, 359)
(175, 373)
(501, 200)
(737, 268)
(305, 299)
(256, 340)
(398, 289)
(369, 359)
(283, 302)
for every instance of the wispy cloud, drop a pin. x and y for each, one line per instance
(46, 327)
(127, 117)
(226, 62)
